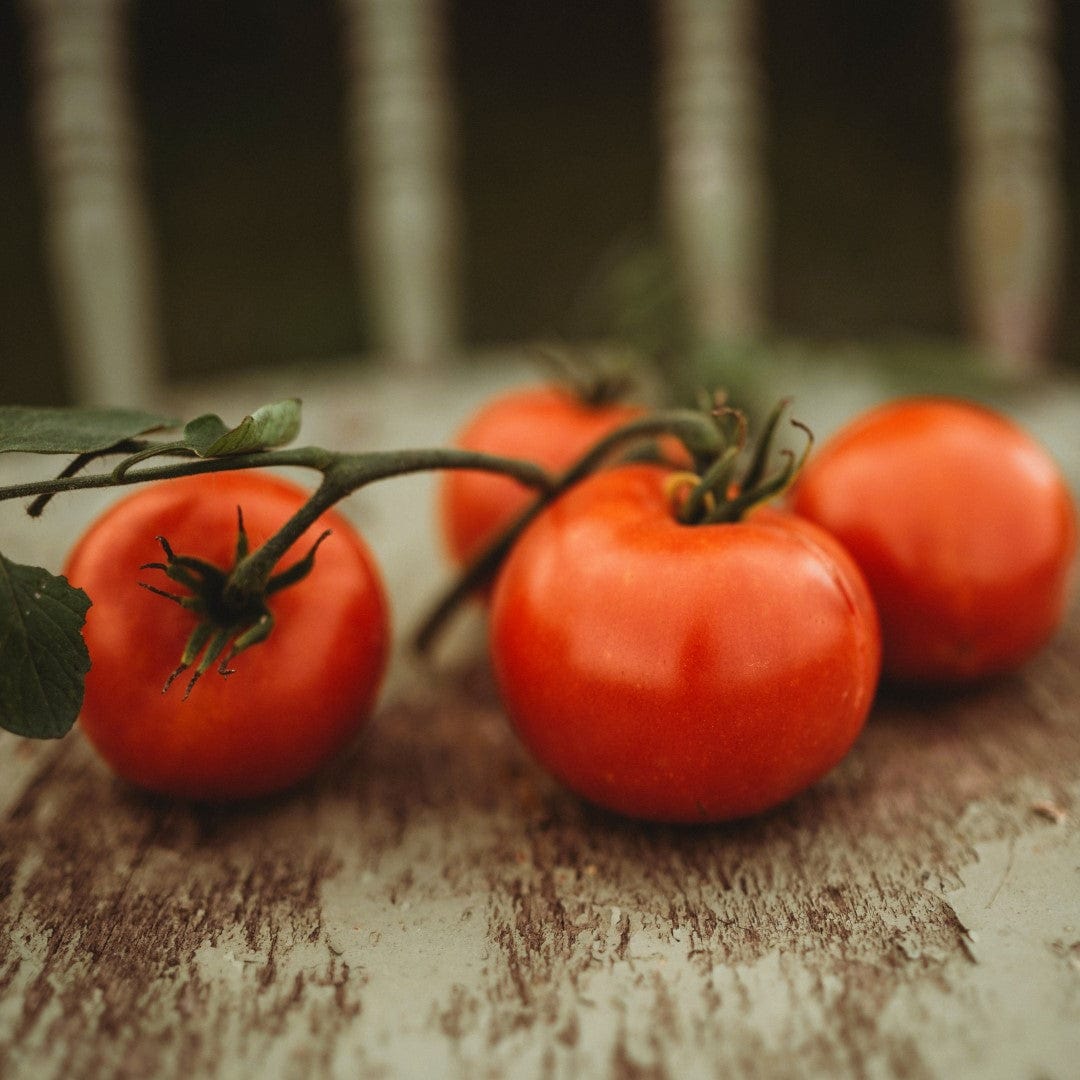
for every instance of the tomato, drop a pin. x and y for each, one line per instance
(675, 672)
(547, 425)
(963, 526)
(295, 699)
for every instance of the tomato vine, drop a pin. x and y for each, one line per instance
(41, 616)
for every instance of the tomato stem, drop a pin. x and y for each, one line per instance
(715, 436)
(721, 497)
(596, 378)
(368, 466)
(696, 430)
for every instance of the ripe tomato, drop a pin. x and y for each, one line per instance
(295, 699)
(681, 673)
(547, 425)
(962, 525)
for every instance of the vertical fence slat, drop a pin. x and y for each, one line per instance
(1011, 215)
(97, 224)
(406, 206)
(711, 118)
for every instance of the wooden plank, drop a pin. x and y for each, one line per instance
(434, 904)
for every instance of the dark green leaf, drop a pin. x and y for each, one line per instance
(43, 658)
(72, 430)
(270, 426)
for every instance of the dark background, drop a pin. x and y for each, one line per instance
(242, 113)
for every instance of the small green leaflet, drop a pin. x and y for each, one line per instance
(80, 430)
(43, 658)
(265, 428)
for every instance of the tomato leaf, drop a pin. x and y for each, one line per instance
(272, 425)
(43, 658)
(71, 430)
(203, 432)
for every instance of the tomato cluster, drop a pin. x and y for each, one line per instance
(664, 668)
(704, 672)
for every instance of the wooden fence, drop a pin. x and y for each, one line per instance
(406, 221)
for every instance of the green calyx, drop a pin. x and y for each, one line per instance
(228, 620)
(720, 490)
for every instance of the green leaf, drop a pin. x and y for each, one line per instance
(43, 658)
(63, 430)
(203, 432)
(265, 428)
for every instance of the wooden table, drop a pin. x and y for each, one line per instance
(433, 905)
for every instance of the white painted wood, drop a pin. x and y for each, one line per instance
(405, 209)
(713, 183)
(1011, 213)
(98, 232)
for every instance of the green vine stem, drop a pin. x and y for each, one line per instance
(698, 432)
(595, 378)
(343, 473)
(713, 438)
(238, 616)
(364, 468)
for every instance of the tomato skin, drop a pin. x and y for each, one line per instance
(681, 673)
(547, 425)
(295, 699)
(963, 526)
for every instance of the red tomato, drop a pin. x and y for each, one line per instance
(547, 425)
(294, 700)
(681, 673)
(963, 527)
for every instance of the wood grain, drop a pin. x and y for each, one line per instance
(434, 905)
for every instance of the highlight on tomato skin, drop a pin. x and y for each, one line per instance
(545, 424)
(678, 673)
(295, 699)
(964, 527)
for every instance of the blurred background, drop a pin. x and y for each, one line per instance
(200, 187)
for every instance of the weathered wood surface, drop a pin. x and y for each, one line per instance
(433, 905)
